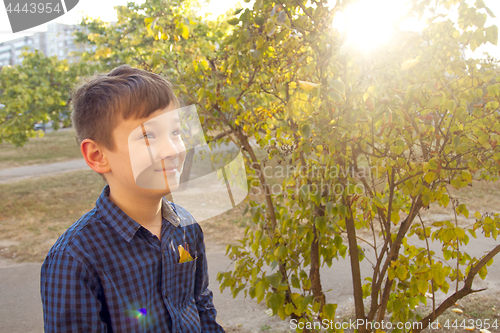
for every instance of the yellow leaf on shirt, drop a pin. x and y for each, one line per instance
(184, 255)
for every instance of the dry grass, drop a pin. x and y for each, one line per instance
(34, 213)
(481, 196)
(477, 308)
(53, 147)
(480, 308)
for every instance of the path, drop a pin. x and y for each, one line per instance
(40, 170)
(21, 310)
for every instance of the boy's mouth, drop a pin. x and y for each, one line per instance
(168, 169)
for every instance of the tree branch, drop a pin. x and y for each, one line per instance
(466, 290)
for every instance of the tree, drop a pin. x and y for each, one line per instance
(372, 140)
(37, 90)
(413, 115)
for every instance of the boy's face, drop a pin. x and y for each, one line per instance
(149, 154)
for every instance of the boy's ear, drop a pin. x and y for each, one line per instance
(93, 155)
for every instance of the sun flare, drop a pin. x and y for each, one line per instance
(369, 24)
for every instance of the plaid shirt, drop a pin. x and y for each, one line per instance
(107, 273)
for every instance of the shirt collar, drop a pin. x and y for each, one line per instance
(169, 212)
(124, 224)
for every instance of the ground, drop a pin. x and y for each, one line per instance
(35, 211)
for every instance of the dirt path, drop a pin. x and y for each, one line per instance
(21, 309)
(40, 170)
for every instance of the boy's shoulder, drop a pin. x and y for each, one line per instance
(81, 235)
(79, 232)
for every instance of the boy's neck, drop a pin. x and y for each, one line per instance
(144, 210)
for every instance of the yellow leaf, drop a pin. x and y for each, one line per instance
(484, 331)
(457, 310)
(407, 64)
(308, 86)
(184, 255)
(470, 328)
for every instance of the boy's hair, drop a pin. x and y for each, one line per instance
(99, 101)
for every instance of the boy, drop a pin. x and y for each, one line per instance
(120, 268)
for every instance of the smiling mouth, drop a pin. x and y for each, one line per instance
(169, 169)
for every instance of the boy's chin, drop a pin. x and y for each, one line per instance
(160, 192)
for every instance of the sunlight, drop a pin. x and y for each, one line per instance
(369, 24)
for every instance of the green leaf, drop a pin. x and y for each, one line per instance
(483, 138)
(433, 164)
(378, 202)
(274, 279)
(422, 286)
(305, 130)
(255, 54)
(483, 272)
(275, 302)
(402, 272)
(295, 282)
(456, 183)
(339, 87)
(430, 177)
(439, 276)
(492, 34)
(306, 301)
(320, 223)
(234, 21)
(259, 20)
(329, 208)
(201, 94)
(289, 309)
(490, 13)
(260, 289)
(329, 311)
(461, 209)
(446, 254)
(445, 199)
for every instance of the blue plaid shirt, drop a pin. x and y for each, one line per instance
(107, 273)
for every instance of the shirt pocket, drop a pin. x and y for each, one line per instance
(181, 285)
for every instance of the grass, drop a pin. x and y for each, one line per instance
(53, 147)
(481, 196)
(479, 308)
(34, 213)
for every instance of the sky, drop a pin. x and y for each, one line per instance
(103, 9)
(369, 23)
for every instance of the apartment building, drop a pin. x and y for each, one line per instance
(58, 41)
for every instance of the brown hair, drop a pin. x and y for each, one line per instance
(99, 100)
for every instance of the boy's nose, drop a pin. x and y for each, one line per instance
(169, 150)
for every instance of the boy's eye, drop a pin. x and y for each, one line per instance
(148, 136)
(176, 133)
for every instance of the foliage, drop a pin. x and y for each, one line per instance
(372, 139)
(37, 90)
